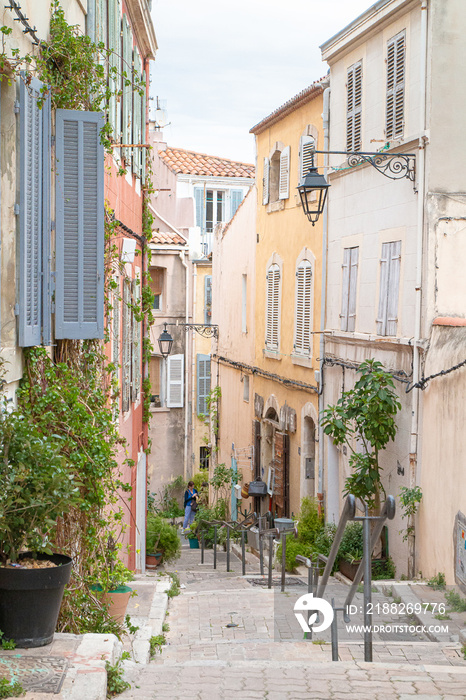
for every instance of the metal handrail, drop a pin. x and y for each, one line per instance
(348, 513)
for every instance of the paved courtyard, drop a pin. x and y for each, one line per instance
(230, 637)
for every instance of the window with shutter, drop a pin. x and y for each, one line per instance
(126, 347)
(157, 277)
(208, 299)
(136, 117)
(265, 182)
(302, 344)
(390, 263)
(203, 383)
(175, 381)
(79, 301)
(272, 308)
(136, 349)
(307, 145)
(353, 107)
(116, 343)
(112, 61)
(127, 87)
(236, 199)
(34, 215)
(143, 127)
(396, 59)
(284, 181)
(349, 289)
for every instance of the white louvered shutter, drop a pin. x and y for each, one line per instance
(345, 289)
(306, 148)
(136, 349)
(354, 107)
(284, 181)
(34, 215)
(175, 365)
(203, 383)
(302, 345)
(383, 293)
(273, 307)
(235, 201)
(265, 181)
(396, 60)
(208, 299)
(352, 293)
(393, 286)
(79, 299)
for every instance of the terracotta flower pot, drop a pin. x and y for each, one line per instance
(153, 560)
(117, 600)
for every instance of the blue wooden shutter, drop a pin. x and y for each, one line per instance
(203, 383)
(236, 199)
(199, 202)
(143, 128)
(79, 299)
(46, 221)
(31, 212)
(127, 89)
(208, 299)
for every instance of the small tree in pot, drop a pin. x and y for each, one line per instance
(162, 537)
(35, 490)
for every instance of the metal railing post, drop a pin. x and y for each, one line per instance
(261, 548)
(283, 539)
(202, 546)
(367, 587)
(270, 560)
(334, 633)
(215, 546)
(243, 553)
(228, 547)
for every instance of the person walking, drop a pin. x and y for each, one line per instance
(190, 496)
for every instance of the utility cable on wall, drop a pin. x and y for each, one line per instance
(268, 375)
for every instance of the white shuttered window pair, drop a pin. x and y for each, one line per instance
(136, 346)
(273, 308)
(302, 344)
(390, 264)
(265, 181)
(175, 366)
(349, 288)
(396, 66)
(354, 107)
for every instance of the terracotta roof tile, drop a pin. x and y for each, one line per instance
(192, 163)
(301, 98)
(167, 237)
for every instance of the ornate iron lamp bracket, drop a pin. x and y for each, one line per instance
(395, 166)
(206, 330)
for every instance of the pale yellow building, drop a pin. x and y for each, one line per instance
(288, 276)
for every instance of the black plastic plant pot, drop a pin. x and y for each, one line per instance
(30, 600)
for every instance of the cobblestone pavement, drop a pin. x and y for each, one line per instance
(229, 637)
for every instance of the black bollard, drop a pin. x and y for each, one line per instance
(215, 546)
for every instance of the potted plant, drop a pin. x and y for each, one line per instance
(162, 540)
(111, 585)
(36, 488)
(193, 536)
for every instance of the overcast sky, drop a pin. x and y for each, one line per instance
(223, 66)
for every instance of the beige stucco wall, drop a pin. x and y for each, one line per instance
(233, 256)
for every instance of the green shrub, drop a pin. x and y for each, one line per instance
(162, 537)
(455, 601)
(383, 569)
(310, 522)
(115, 682)
(437, 582)
(293, 548)
(351, 547)
(11, 689)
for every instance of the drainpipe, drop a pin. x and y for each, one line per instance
(413, 450)
(181, 253)
(323, 302)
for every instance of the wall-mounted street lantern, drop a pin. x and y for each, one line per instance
(165, 342)
(207, 330)
(395, 166)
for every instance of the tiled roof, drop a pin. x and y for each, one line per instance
(301, 98)
(192, 163)
(167, 237)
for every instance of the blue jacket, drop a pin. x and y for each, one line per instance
(189, 497)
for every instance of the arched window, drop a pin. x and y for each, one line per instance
(272, 308)
(303, 317)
